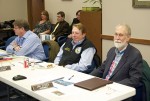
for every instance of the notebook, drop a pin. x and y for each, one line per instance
(93, 83)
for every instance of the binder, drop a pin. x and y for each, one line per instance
(93, 83)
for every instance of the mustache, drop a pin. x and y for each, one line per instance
(117, 41)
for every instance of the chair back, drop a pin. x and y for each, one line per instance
(62, 39)
(51, 48)
(96, 62)
(7, 42)
(46, 51)
(146, 80)
(143, 90)
(10, 40)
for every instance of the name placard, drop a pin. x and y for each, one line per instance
(42, 86)
(4, 68)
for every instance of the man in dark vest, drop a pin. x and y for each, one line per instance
(78, 53)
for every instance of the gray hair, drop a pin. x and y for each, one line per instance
(126, 27)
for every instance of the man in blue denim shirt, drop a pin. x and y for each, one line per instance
(27, 43)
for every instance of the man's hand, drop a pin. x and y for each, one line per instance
(53, 38)
(16, 46)
(69, 36)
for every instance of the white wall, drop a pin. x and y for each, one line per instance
(121, 11)
(69, 7)
(13, 9)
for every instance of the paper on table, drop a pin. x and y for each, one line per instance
(45, 78)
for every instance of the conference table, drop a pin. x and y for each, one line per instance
(44, 72)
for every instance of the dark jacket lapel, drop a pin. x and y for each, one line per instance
(111, 57)
(122, 61)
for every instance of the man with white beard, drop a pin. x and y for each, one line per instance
(124, 62)
(124, 58)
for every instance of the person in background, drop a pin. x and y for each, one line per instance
(123, 63)
(61, 27)
(43, 26)
(78, 52)
(26, 43)
(75, 21)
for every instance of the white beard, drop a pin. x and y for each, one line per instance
(119, 44)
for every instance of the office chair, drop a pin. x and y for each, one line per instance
(9, 40)
(46, 48)
(143, 90)
(2, 44)
(62, 39)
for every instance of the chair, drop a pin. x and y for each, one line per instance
(51, 48)
(143, 90)
(3, 89)
(62, 39)
(146, 80)
(90, 68)
(9, 40)
(46, 51)
(96, 62)
(2, 44)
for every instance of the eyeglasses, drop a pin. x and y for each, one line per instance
(16, 28)
(119, 34)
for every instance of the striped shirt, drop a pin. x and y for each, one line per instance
(30, 44)
(115, 62)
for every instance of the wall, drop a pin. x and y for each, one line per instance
(13, 9)
(69, 7)
(121, 11)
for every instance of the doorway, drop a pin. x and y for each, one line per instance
(34, 8)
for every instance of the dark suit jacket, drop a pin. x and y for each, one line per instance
(62, 29)
(128, 70)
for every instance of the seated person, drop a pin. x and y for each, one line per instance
(43, 26)
(75, 21)
(61, 27)
(78, 52)
(124, 62)
(27, 43)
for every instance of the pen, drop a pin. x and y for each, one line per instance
(71, 77)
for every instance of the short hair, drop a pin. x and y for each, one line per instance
(126, 27)
(46, 14)
(78, 12)
(61, 13)
(22, 23)
(81, 27)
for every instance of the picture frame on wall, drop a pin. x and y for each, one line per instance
(141, 3)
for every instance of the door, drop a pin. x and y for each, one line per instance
(34, 7)
(93, 23)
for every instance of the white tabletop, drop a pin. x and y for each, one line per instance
(36, 75)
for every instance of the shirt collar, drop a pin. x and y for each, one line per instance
(26, 34)
(78, 43)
